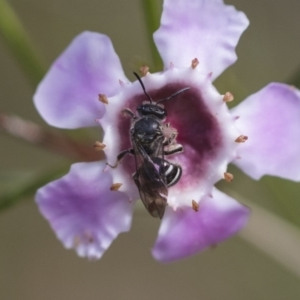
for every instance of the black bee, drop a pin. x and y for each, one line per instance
(154, 174)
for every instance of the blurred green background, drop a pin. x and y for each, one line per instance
(263, 262)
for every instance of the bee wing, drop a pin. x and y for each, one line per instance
(150, 178)
(153, 190)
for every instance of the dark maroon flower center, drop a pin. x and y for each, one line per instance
(198, 130)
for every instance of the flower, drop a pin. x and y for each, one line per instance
(81, 207)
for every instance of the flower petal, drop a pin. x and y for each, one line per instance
(82, 210)
(185, 232)
(203, 29)
(271, 120)
(68, 95)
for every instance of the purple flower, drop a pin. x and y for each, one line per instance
(81, 208)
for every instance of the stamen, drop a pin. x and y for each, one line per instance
(228, 177)
(228, 97)
(103, 98)
(98, 146)
(241, 139)
(171, 66)
(195, 63)
(195, 206)
(115, 186)
(144, 70)
(209, 75)
(121, 83)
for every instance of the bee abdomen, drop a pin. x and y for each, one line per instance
(172, 173)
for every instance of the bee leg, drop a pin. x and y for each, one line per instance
(120, 157)
(170, 139)
(177, 148)
(127, 111)
(135, 179)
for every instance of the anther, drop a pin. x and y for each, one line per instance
(121, 83)
(115, 186)
(241, 139)
(171, 66)
(209, 75)
(228, 97)
(98, 146)
(103, 98)
(228, 177)
(144, 70)
(195, 206)
(195, 63)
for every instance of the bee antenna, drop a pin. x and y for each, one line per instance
(173, 95)
(145, 92)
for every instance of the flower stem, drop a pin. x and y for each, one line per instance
(283, 193)
(56, 142)
(152, 10)
(20, 44)
(274, 236)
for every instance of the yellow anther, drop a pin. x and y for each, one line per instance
(195, 63)
(98, 146)
(195, 206)
(241, 139)
(228, 177)
(115, 186)
(228, 97)
(144, 70)
(103, 98)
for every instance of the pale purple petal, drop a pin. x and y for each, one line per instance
(203, 29)
(271, 120)
(82, 210)
(186, 232)
(68, 95)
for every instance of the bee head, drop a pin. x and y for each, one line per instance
(152, 109)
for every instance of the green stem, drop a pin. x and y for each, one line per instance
(20, 44)
(52, 140)
(28, 189)
(274, 236)
(284, 193)
(152, 10)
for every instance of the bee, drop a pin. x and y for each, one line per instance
(150, 144)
